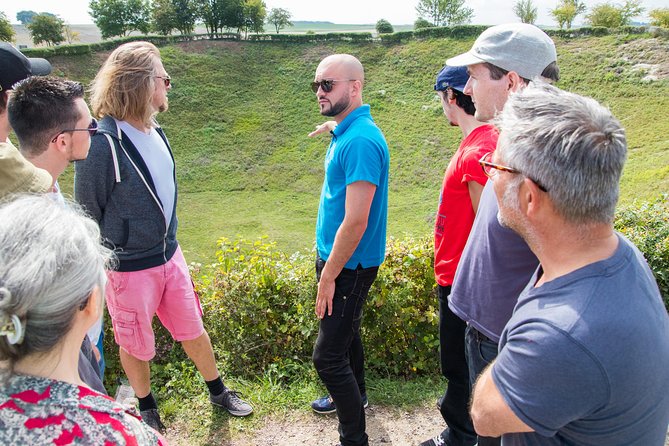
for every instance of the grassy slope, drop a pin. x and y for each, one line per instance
(240, 114)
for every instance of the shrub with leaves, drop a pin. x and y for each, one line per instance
(647, 226)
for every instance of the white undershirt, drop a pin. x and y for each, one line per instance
(157, 158)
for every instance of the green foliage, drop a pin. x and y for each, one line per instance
(119, 17)
(397, 37)
(311, 37)
(185, 15)
(6, 30)
(259, 307)
(422, 23)
(25, 17)
(566, 11)
(163, 19)
(584, 31)
(445, 12)
(453, 32)
(647, 226)
(280, 18)
(525, 10)
(610, 15)
(660, 17)
(254, 16)
(46, 28)
(383, 26)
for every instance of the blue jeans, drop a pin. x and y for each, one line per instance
(454, 405)
(481, 351)
(338, 353)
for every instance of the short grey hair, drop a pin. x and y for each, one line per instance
(570, 144)
(51, 260)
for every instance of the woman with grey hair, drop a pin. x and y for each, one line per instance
(52, 280)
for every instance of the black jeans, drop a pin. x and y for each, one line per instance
(454, 405)
(338, 353)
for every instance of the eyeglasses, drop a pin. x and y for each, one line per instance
(91, 129)
(166, 79)
(490, 169)
(327, 84)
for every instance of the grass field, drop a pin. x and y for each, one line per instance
(240, 112)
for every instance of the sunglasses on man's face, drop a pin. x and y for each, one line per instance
(327, 84)
(166, 79)
(91, 129)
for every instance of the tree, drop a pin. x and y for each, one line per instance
(119, 17)
(422, 23)
(254, 16)
(71, 35)
(445, 12)
(629, 10)
(163, 18)
(566, 11)
(280, 18)
(383, 26)
(610, 15)
(185, 15)
(46, 28)
(526, 11)
(6, 30)
(660, 17)
(25, 17)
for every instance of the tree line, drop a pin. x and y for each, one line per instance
(118, 18)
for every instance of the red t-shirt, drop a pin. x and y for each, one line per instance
(455, 215)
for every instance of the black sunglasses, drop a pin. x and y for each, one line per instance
(327, 84)
(166, 79)
(91, 129)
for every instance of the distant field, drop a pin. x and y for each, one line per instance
(240, 112)
(91, 34)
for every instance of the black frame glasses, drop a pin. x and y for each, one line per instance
(91, 129)
(166, 80)
(327, 84)
(490, 170)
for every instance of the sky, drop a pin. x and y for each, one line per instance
(486, 12)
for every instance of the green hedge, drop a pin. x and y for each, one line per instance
(111, 44)
(305, 38)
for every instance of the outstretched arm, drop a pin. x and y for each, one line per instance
(327, 126)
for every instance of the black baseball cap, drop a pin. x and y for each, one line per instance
(14, 66)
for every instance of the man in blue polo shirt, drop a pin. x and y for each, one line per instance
(350, 236)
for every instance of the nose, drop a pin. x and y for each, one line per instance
(468, 87)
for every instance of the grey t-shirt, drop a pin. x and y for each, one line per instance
(495, 266)
(584, 359)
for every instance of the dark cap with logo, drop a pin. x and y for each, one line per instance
(14, 66)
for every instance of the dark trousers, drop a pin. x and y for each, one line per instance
(338, 353)
(480, 351)
(454, 405)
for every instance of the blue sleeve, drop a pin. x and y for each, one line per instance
(547, 378)
(363, 160)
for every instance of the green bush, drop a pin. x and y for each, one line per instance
(454, 32)
(383, 26)
(647, 227)
(398, 37)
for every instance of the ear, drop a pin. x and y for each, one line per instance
(357, 88)
(515, 82)
(532, 199)
(61, 142)
(94, 305)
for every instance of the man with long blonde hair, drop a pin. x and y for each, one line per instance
(128, 185)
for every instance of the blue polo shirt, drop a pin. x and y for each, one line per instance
(357, 152)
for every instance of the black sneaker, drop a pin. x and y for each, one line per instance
(152, 418)
(436, 441)
(230, 400)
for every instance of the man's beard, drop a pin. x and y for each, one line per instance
(337, 107)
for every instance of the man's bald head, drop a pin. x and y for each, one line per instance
(347, 66)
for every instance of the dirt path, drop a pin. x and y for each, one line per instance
(385, 426)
